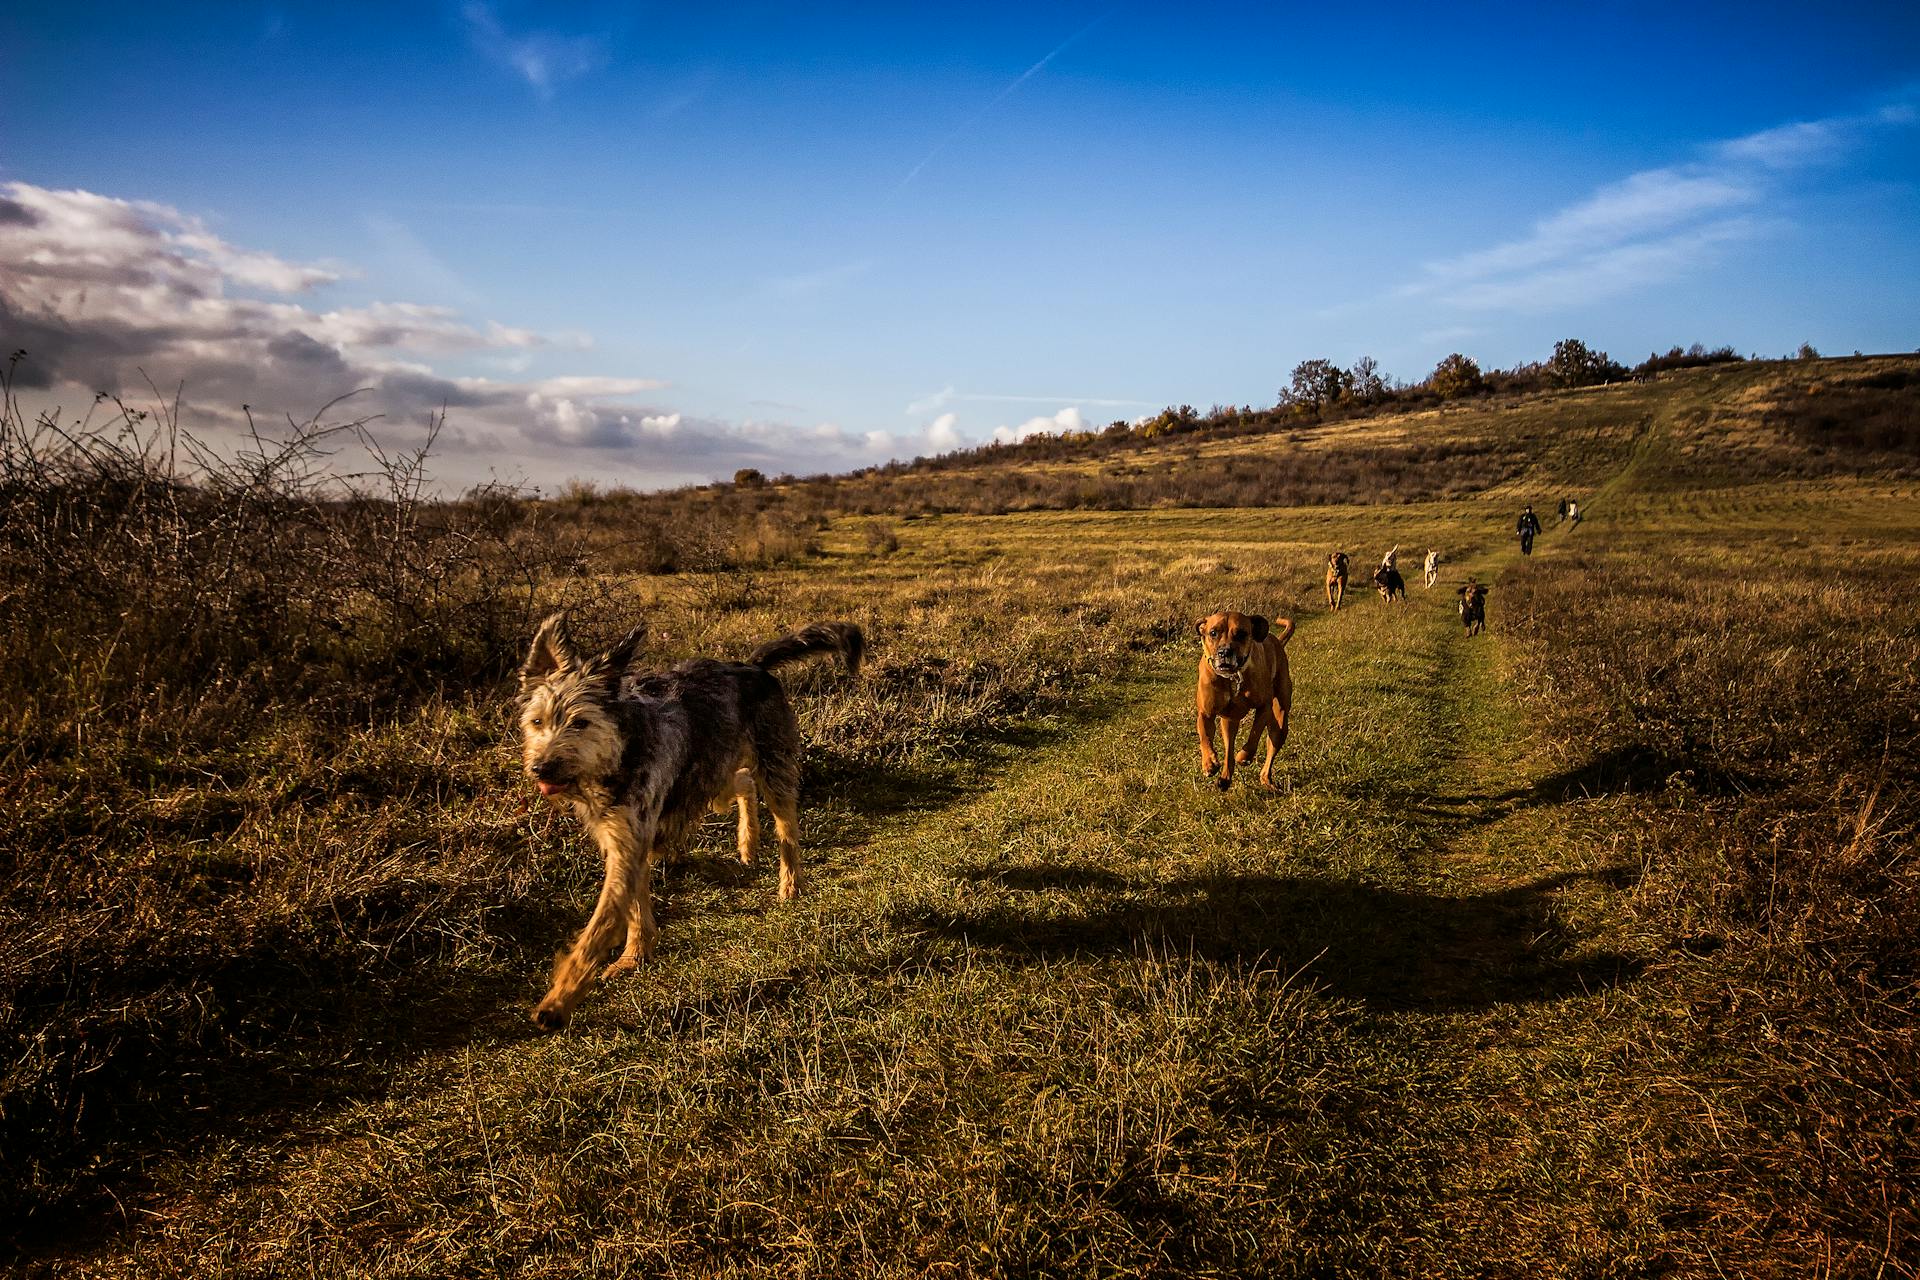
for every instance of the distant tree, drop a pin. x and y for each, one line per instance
(1365, 381)
(749, 478)
(1806, 352)
(1689, 358)
(1316, 384)
(1456, 376)
(1574, 364)
(1171, 421)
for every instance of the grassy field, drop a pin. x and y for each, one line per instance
(1586, 947)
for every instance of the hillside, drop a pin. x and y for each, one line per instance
(1583, 947)
(1727, 423)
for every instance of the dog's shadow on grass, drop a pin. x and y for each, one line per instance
(308, 1021)
(1391, 948)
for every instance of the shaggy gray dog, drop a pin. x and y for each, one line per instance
(641, 761)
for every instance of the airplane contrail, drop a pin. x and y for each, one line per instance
(998, 98)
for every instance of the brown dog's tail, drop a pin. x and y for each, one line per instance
(843, 638)
(1280, 629)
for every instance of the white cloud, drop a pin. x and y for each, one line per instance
(544, 59)
(1068, 419)
(1103, 402)
(417, 327)
(1785, 147)
(105, 294)
(246, 267)
(929, 403)
(806, 284)
(1649, 227)
(942, 432)
(1645, 203)
(1609, 273)
(603, 388)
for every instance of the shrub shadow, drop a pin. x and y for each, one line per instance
(182, 1049)
(1630, 770)
(1391, 948)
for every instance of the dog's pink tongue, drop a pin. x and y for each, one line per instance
(549, 788)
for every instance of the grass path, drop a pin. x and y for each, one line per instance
(1078, 1011)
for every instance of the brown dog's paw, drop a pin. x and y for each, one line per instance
(1245, 757)
(1210, 768)
(1223, 783)
(620, 968)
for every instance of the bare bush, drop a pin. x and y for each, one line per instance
(163, 580)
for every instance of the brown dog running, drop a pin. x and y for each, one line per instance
(1336, 579)
(1473, 607)
(1243, 671)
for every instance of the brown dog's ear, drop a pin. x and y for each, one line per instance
(550, 654)
(1200, 626)
(1261, 629)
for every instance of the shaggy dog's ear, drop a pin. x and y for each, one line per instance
(551, 653)
(615, 661)
(1261, 629)
(1459, 591)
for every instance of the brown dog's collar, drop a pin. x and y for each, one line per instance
(1233, 681)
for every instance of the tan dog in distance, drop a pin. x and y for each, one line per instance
(1243, 671)
(1336, 579)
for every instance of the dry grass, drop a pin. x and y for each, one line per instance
(1756, 706)
(1581, 948)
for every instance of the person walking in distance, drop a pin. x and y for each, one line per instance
(1528, 527)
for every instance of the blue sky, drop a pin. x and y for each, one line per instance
(651, 245)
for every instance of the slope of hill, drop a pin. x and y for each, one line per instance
(1729, 423)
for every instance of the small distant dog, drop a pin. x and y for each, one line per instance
(1243, 670)
(1388, 579)
(642, 764)
(1473, 607)
(1336, 580)
(1432, 567)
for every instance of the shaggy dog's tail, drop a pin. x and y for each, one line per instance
(843, 638)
